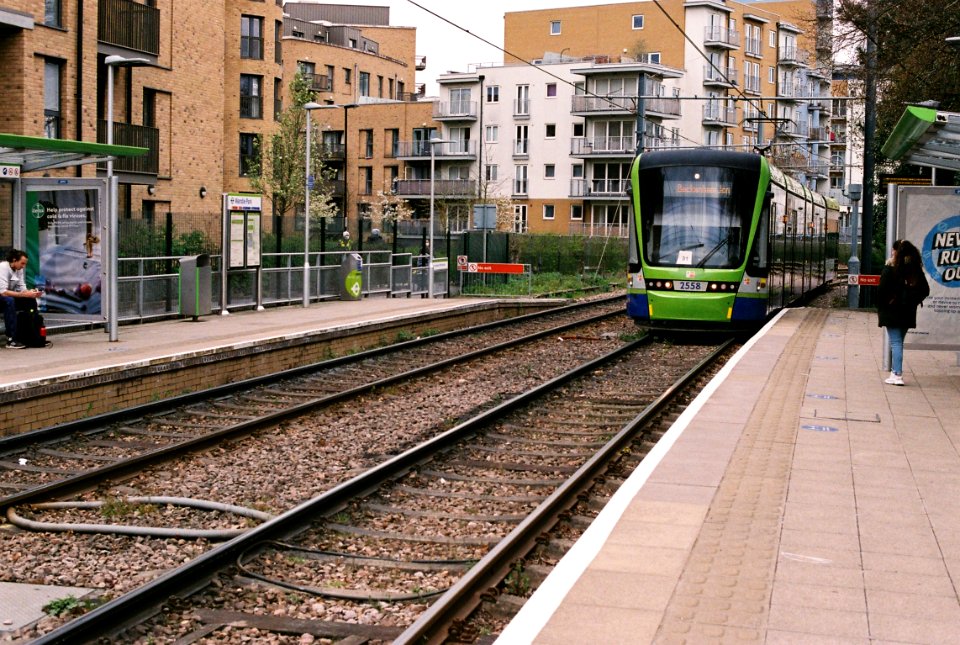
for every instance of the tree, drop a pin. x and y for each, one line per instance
(279, 169)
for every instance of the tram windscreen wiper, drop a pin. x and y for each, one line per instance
(722, 243)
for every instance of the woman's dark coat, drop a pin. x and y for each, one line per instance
(896, 302)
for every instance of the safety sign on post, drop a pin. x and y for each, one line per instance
(863, 280)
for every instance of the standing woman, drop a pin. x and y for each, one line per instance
(902, 288)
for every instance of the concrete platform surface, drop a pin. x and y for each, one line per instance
(799, 499)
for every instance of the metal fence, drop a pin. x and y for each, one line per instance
(146, 293)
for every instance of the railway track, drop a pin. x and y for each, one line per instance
(436, 527)
(69, 458)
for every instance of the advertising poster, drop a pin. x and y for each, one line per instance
(62, 228)
(930, 218)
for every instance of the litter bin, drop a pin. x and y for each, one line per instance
(351, 276)
(195, 281)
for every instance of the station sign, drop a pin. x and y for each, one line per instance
(241, 202)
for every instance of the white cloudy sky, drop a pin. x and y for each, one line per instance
(448, 48)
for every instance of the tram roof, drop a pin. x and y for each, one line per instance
(926, 137)
(40, 153)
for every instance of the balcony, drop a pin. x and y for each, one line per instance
(126, 134)
(130, 26)
(583, 147)
(420, 62)
(598, 188)
(792, 57)
(584, 105)
(319, 82)
(660, 143)
(721, 116)
(450, 151)
(455, 111)
(331, 151)
(718, 77)
(663, 107)
(719, 37)
(521, 148)
(442, 188)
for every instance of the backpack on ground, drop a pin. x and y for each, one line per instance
(31, 330)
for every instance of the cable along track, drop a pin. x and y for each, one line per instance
(61, 460)
(426, 532)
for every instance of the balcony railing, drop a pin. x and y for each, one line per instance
(455, 109)
(598, 187)
(319, 82)
(581, 103)
(448, 188)
(421, 149)
(130, 25)
(718, 36)
(715, 114)
(521, 108)
(662, 106)
(141, 136)
(602, 146)
(792, 56)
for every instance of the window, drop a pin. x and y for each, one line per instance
(379, 86)
(771, 76)
(364, 84)
(251, 37)
(576, 211)
(330, 76)
(491, 172)
(460, 101)
(492, 133)
(52, 12)
(347, 78)
(578, 129)
(493, 94)
(653, 58)
(251, 96)
(277, 98)
(637, 22)
(367, 136)
(277, 40)
(393, 142)
(576, 171)
(249, 157)
(772, 38)
(520, 181)
(521, 143)
(51, 99)
(390, 176)
(520, 218)
(551, 90)
(548, 211)
(549, 171)
(551, 130)
(366, 180)
(522, 106)
(554, 27)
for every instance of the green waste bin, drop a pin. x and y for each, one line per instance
(351, 276)
(195, 281)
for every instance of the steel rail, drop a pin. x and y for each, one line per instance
(90, 478)
(465, 595)
(17, 441)
(113, 617)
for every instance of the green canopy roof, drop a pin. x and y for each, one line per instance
(926, 137)
(40, 153)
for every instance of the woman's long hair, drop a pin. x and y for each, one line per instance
(907, 263)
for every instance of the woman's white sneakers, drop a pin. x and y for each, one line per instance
(894, 379)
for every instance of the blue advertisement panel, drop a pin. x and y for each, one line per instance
(930, 218)
(62, 228)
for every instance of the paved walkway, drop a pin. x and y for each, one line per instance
(799, 500)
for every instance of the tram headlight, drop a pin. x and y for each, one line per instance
(668, 285)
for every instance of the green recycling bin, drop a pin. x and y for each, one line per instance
(351, 276)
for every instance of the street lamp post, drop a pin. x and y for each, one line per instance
(433, 158)
(308, 186)
(113, 237)
(854, 193)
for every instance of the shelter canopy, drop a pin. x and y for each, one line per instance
(40, 153)
(925, 137)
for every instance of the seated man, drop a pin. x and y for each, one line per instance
(13, 288)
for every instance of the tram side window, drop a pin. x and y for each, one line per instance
(760, 253)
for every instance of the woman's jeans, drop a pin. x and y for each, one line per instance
(895, 335)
